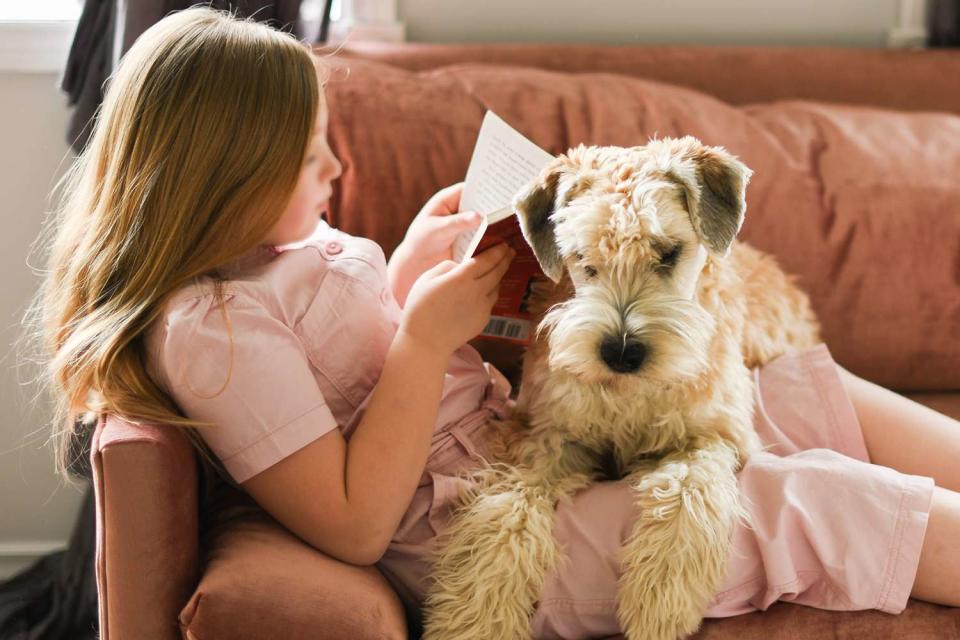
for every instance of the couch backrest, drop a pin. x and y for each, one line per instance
(860, 203)
(909, 80)
(145, 486)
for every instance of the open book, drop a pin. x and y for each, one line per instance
(503, 162)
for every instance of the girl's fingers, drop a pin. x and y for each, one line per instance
(443, 267)
(447, 200)
(456, 223)
(488, 258)
(497, 270)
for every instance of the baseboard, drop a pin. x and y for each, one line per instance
(18, 555)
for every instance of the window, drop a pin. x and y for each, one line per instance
(35, 37)
(311, 13)
(46, 11)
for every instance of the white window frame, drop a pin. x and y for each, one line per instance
(910, 28)
(42, 45)
(367, 20)
(35, 46)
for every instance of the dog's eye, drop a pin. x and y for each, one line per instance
(670, 256)
(590, 271)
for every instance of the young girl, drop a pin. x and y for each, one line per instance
(193, 282)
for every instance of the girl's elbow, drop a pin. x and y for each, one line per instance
(361, 549)
(365, 553)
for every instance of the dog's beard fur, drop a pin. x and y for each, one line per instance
(675, 331)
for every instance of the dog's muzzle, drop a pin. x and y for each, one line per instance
(622, 356)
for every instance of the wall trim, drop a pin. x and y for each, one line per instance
(368, 20)
(910, 27)
(35, 46)
(16, 555)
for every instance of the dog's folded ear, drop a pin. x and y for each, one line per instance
(534, 206)
(714, 185)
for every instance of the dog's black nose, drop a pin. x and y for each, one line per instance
(623, 357)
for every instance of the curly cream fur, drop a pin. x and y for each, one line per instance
(679, 427)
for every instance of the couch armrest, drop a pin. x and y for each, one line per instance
(262, 582)
(145, 486)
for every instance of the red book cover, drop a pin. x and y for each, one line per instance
(510, 319)
(503, 162)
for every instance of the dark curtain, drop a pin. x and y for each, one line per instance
(106, 30)
(55, 598)
(943, 24)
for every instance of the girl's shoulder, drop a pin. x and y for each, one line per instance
(272, 298)
(284, 281)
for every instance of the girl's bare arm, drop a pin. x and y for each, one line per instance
(347, 498)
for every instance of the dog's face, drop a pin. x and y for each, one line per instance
(632, 228)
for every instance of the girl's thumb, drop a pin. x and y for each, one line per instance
(443, 267)
(465, 220)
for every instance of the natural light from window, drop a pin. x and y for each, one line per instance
(42, 11)
(57, 10)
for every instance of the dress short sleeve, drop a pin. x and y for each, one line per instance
(271, 404)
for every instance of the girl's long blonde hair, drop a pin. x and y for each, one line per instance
(196, 151)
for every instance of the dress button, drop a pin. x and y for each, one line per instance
(384, 295)
(334, 248)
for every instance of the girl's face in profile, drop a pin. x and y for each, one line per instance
(310, 196)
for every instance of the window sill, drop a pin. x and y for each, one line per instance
(35, 46)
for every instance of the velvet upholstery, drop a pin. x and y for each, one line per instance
(145, 488)
(258, 573)
(902, 79)
(859, 202)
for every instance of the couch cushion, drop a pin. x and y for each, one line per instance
(860, 203)
(946, 403)
(262, 582)
(785, 621)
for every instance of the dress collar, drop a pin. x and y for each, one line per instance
(256, 257)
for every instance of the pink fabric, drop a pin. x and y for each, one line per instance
(830, 530)
(311, 324)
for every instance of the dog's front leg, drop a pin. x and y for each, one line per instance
(676, 556)
(492, 558)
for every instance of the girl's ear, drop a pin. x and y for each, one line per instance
(534, 206)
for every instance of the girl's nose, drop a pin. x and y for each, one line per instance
(331, 169)
(337, 167)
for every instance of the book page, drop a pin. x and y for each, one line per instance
(503, 162)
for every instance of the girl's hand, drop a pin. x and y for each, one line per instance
(450, 303)
(429, 239)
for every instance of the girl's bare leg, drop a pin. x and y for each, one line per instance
(905, 435)
(938, 576)
(914, 439)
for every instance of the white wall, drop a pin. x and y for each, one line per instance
(36, 513)
(808, 22)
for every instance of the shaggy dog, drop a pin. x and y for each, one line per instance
(640, 369)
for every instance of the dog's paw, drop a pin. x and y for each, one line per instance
(491, 565)
(676, 555)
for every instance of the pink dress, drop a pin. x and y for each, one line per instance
(312, 324)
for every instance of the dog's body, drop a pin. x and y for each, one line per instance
(640, 369)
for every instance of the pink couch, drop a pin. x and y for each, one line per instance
(860, 202)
